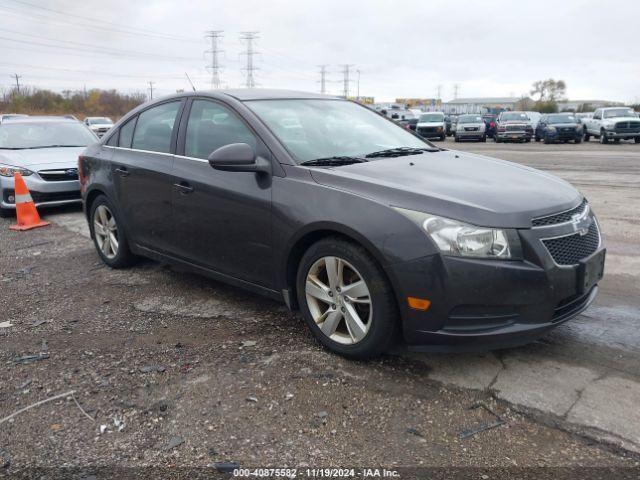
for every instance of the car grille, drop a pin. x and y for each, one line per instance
(427, 130)
(470, 129)
(561, 217)
(571, 249)
(628, 127)
(571, 305)
(515, 128)
(59, 175)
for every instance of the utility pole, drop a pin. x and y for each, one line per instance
(323, 79)
(439, 90)
(17, 77)
(214, 36)
(456, 87)
(151, 89)
(358, 90)
(249, 38)
(345, 82)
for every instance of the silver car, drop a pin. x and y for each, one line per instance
(44, 150)
(470, 127)
(99, 125)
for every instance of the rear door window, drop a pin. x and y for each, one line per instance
(212, 126)
(155, 127)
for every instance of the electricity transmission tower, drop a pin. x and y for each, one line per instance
(323, 78)
(456, 87)
(346, 70)
(249, 38)
(151, 90)
(215, 36)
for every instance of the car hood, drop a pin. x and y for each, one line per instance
(621, 119)
(479, 124)
(563, 125)
(467, 187)
(101, 125)
(430, 124)
(515, 122)
(58, 157)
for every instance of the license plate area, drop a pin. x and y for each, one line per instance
(590, 271)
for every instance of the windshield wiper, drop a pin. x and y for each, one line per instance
(400, 152)
(333, 161)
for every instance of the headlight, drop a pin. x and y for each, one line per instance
(462, 239)
(9, 170)
(610, 126)
(551, 129)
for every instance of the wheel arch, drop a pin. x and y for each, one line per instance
(314, 233)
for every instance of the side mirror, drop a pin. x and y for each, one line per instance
(238, 157)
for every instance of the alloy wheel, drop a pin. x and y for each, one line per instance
(339, 300)
(106, 231)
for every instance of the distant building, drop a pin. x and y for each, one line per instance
(481, 105)
(423, 104)
(585, 105)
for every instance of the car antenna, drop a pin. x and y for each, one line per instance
(192, 86)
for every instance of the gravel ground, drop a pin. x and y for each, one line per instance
(176, 370)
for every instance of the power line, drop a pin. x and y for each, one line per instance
(17, 77)
(249, 38)
(346, 70)
(323, 79)
(215, 36)
(119, 28)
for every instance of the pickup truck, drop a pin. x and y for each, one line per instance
(612, 123)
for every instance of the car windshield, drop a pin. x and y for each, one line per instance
(319, 129)
(561, 119)
(509, 117)
(98, 120)
(431, 117)
(17, 136)
(619, 112)
(469, 119)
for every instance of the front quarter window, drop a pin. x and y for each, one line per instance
(312, 129)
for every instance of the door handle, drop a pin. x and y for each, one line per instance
(122, 171)
(184, 187)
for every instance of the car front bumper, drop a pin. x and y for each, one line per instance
(44, 193)
(486, 304)
(621, 135)
(514, 135)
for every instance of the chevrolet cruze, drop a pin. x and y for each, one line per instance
(374, 233)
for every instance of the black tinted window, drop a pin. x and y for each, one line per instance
(212, 126)
(126, 133)
(154, 128)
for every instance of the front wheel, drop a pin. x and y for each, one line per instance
(484, 139)
(603, 138)
(579, 140)
(346, 299)
(456, 138)
(637, 139)
(108, 234)
(547, 140)
(587, 137)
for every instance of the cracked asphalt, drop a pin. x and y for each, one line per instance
(175, 370)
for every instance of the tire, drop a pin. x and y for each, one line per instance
(637, 139)
(547, 140)
(115, 256)
(587, 137)
(484, 139)
(537, 138)
(443, 138)
(382, 313)
(496, 139)
(456, 139)
(578, 140)
(603, 138)
(527, 140)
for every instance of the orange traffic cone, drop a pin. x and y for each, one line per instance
(26, 212)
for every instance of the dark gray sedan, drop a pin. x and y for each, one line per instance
(372, 232)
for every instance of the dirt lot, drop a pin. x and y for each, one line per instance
(174, 370)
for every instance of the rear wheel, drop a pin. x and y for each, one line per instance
(108, 234)
(346, 299)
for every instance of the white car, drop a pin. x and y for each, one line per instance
(432, 125)
(99, 125)
(612, 123)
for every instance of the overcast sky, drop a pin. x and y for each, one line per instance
(402, 48)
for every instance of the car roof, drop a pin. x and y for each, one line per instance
(40, 119)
